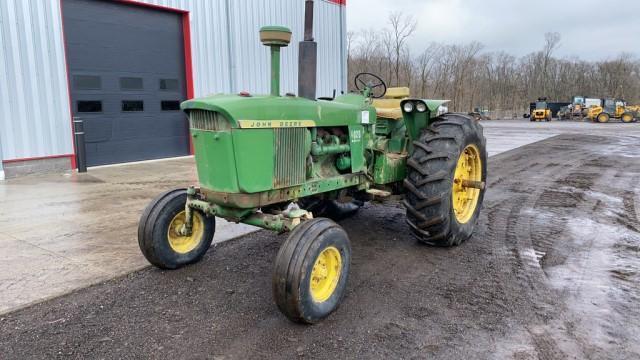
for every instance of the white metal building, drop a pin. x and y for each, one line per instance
(123, 67)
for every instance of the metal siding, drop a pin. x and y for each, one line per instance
(34, 105)
(226, 53)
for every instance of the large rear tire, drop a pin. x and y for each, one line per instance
(451, 152)
(311, 271)
(159, 235)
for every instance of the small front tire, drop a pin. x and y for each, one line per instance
(159, 236)
(311, 271)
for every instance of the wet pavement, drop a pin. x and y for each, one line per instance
(62, 232)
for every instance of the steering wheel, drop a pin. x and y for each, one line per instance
(377, 88)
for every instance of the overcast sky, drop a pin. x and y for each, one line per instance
(590, 29)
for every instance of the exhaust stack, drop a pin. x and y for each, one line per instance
(308, 57)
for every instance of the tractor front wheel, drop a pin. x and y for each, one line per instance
(161, 235)
(311, 270)
(445, 181)
(627, 118)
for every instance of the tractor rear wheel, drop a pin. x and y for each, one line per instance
(311, 271)
(160, 234)
(627, 118)
(603, 118)
(445, 182)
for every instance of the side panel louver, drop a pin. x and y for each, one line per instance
(289, 157)
(208, 120)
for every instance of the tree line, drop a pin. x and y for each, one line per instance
(497, 81)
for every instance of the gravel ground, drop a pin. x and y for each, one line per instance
(552, 272)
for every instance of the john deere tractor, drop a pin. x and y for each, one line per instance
(541, 112)
(266, 160)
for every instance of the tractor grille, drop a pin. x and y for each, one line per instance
(290, 158)
(208, 120)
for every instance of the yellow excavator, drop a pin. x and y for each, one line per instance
(613, 108)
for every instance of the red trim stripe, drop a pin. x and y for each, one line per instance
(39, 158)
(339, 2)
(188, 64)
(152, 6)
(66, 66)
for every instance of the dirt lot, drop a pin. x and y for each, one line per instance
(551, 273)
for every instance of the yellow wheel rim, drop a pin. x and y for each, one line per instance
(602, 118)
(627, 118)
(465, 198)
(325, 274)
(180, 243)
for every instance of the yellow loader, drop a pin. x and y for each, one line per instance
(541, 112)
(612, 108)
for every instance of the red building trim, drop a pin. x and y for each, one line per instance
(152, 6)
(339, 2)
(186, 33)
(188, 64)
(66, 67)
(72, 156)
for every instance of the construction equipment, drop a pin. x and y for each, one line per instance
(480, 113)
(575, 110)
(260, 158)
(634, 110)
(611, 108)
(542, 112)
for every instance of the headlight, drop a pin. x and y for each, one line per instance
(408, 107)
(421, 107)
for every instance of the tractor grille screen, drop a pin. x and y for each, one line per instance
(208, 120)
(290, 158)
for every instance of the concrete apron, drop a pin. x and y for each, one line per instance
(64, 231)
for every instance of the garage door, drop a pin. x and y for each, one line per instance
(127, 74)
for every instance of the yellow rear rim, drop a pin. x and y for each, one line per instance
(180, 243)
(465, 199)
(325, 274)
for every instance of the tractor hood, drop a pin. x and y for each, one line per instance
(264, 111)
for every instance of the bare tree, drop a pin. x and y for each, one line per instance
(471, 77)
(551, 43)
(402, 27)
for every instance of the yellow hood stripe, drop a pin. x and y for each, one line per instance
(258, 124)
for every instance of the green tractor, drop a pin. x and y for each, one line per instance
(268, 160)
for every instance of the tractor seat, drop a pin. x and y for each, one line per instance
(389, 106)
